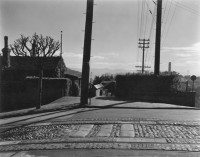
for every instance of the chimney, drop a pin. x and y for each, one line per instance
(6, 53)
(169, 69)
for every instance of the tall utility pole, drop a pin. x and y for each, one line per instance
(143, 46)
(86, 53)
(158, 38)
(61, 44)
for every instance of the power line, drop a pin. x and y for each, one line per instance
(150, 35)
(145, 21)
(138, 29)
(169, 25)
(166, 18)
(141, 22)
(195, 12)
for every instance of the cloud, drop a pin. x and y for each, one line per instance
(194, 48)
(108, 54)
(183, 55)
(97, 57)
(72, 55)
(112, 65)
(80, 55)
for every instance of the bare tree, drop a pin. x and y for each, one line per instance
(44, 46)
(38, 47)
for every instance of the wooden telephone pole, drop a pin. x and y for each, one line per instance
(158, 38)
(86, 53)
(143, 46)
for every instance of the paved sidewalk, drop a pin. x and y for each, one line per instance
(60, 104)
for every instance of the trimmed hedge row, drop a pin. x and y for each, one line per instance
(128, 84)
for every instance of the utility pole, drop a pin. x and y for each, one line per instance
(86, 53)
(61, 44)
(143, 46)
(158, 38)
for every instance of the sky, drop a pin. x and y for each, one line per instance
(117, 27)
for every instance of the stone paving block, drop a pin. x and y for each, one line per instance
(127, 130)
(127, 134)
(127, 127)
(83, 130)
(105, 130)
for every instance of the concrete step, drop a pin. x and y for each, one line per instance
(83, 130)
(105, 130)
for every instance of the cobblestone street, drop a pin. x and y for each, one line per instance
(124, 134)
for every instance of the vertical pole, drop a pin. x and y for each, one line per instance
(143, 50)
(186, 86)
(158, 38)
(86, 53)
(169, 68)
(193, 86)
(40, 82)
(143, 56)
(61, 44)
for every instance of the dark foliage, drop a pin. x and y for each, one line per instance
(74, 89)
(104, 77)
(129, 83)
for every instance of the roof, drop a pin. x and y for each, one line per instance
(28, 63)
(98, 86)
(73, 73)
(50, 63)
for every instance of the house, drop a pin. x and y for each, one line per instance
(17, 68)
(98, 89)
(19, 80)
(105, 88)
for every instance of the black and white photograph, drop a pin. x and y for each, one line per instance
(99, 78)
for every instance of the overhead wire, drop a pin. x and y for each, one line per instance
(148, 11)
(193, 11)
(163, 30)
(169, 26)
(146, 17)
(150, 36)
(138, 30)
(141, 28)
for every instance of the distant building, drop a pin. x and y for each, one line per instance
(105, 88)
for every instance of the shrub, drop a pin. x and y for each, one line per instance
(74, 89)
(130, 83)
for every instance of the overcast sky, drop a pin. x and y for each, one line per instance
(118, 24)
